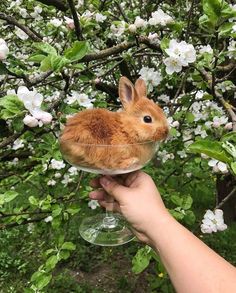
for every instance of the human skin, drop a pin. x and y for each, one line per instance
(192, 266)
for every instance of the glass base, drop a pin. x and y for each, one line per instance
(106, 230)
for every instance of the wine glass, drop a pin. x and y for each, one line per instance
(108, 229)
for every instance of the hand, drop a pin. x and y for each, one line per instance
(136, 197)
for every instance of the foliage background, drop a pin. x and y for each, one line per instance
(41, 203)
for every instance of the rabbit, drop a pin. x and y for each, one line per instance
(93, 138)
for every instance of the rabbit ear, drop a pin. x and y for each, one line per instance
(127, 92)
(140, 87)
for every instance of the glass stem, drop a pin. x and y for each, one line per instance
(109, 221)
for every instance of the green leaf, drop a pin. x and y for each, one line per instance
(58, 62)
(45, 47)
(141, 260)
(45, 64)
(212, 8)
(176, 200)
(56, 212)
(226, 29)
(3, 69)
(64, 254)
(190, 117)
(212, 149)
(187, 202)
(37, 58)
(13, 106)
(10, 195)
(231, 136)
(68, 246)
(51, 262)
(43, 280)
(164, 43)
(233, 167)
(189, 217)
(33, 200)
(77, 51)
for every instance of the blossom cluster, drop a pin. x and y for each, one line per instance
(32, 101)
(180, 54)
(151, 77)
(213, 221)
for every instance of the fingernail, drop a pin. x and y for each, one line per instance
(105, 181)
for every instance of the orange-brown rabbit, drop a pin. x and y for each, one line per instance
(93, 137)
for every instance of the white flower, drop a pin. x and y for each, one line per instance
(93, 204)
(73, 171)
(160, 17)
(69, 22)
(153, 38)
(100, 17)
(66, 179)
(139, 22)
(82, 99)
(42, 116)
(118, 30)
(56, 22)
(56, 164)
(164, 98)
(4, 51)
(23, 12)
(213, 221)
(31, 99)
(175, 124)
(231, 49)
(234, 28)
(200, 131)
(218, 166)
(173, 64)
(151, 77)
(48, 219)
(21, 34)
(181, 54)
(57, 175)
(218, 121)
(30, 121)
(18, 143)
(132, 28)
(51, 182)
(205, 49)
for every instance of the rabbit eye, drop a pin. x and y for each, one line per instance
(147, 119)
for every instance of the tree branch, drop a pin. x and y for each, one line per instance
(78, 31)
(60, 5)
(32, 34)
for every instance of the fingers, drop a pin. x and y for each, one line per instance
(113, 188)
(95, 183)
(98, 194)
(113, 207)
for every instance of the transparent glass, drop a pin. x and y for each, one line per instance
(107, 229)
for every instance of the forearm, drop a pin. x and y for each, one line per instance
(192, 266)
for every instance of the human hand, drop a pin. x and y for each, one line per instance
(136, 197)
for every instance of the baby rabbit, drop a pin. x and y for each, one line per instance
(102, 139)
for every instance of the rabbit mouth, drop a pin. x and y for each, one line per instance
(161, 133)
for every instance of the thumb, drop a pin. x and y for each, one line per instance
(113, 188)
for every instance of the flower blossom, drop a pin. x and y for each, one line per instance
(93, 204)
(160, 17)
(139, 22)
(32, 101)
(21, 34)
(56, 22)
(218, 166)
(56, 164)
(69, 22)
(81, 99)
(4, 51)
(48, 219)
(100, 17)
(18, 144)
(213, 221)
(180, 54)
(151, 77)
(118, 30)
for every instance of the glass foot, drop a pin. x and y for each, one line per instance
(106, 230)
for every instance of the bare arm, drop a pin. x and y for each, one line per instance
(192, 266)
